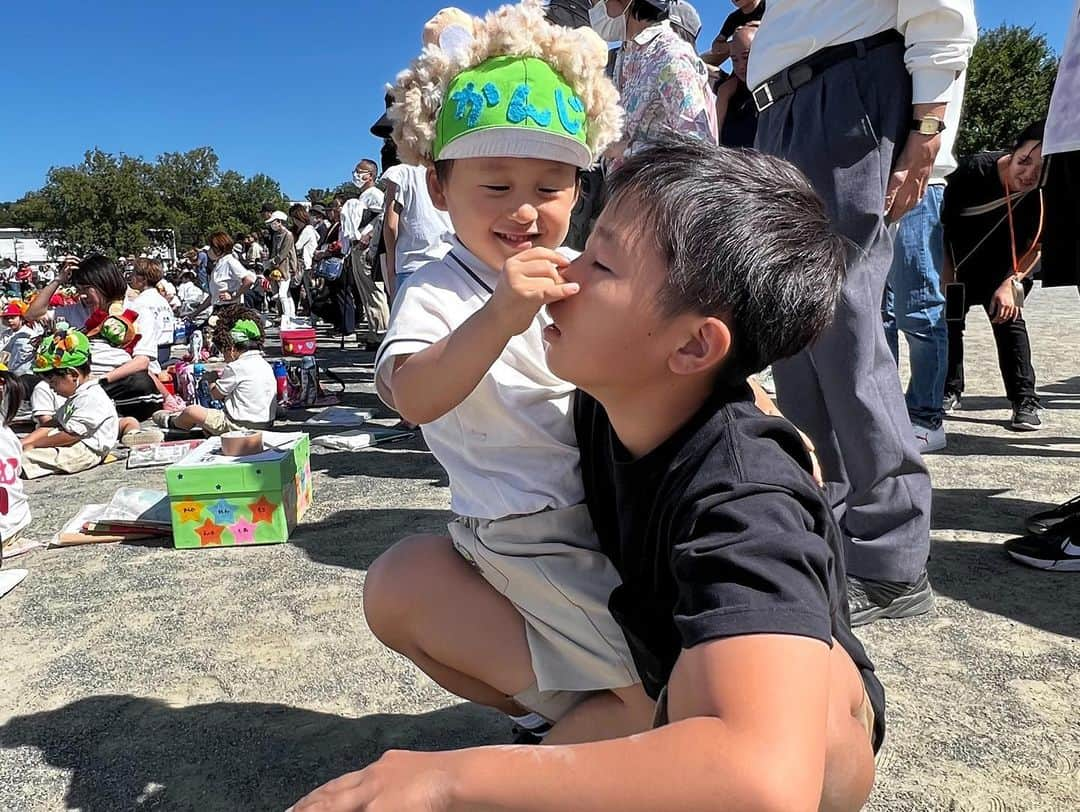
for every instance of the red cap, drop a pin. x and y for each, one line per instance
(12, 309)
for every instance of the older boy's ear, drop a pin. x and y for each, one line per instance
(435, 190)
(708, 346)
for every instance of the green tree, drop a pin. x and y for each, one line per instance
(1009, 80)
(112, 203)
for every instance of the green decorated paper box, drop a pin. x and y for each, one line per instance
(219, 501)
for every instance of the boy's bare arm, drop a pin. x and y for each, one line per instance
(751, 736)
(429, 383)
(42, 438)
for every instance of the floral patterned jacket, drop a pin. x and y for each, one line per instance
(663, 85)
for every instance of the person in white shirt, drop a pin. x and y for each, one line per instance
(229, 279)
(14, 506)
(356, 288)
(246, 386)
(86, 426)
(189, 294)
(156, 320)
(414, 231)
(856, 94)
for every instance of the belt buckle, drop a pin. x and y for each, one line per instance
(760, 92)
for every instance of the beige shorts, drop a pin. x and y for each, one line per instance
(549, 565)
(71, 459)
(217, 422)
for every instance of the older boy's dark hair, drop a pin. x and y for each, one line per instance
(226, 318)
(744, 237)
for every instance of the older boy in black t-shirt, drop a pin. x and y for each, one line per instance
(706, 265)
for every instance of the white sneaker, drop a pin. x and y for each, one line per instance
(930, 440)
(9, 579)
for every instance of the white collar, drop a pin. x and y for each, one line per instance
(477, 268)
(651, 33)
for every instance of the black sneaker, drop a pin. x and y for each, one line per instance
(1025, 416)
(873, 600)
(951, 402)
(523, 735)
(1057, 550)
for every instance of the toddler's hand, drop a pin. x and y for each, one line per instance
(529, 281)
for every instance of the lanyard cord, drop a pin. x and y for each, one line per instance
(1012, 229)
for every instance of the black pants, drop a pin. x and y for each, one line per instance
(1013, 347)
(135, 396)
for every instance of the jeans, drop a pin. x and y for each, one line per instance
(914, 304)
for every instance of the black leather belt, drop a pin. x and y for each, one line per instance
(792, 78)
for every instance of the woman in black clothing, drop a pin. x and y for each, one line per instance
(992, 216)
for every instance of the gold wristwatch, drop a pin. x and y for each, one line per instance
(928, 125)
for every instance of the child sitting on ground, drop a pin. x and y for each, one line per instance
(506, 111)
(19, 344)
(85, 427)
(14, 507)
(706, 265)
(246, 386)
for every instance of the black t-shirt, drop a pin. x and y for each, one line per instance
(719, 532)
(740, 123)
(738, 18)
(974, 208)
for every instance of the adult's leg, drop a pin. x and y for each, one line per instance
(888, 312)
(1014, 359)
(954, 374)
(920, 306)
(841, 129)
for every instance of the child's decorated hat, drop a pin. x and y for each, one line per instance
(509, 85)
(13, 308)
(245, 330)
(117, 330)
(64, 349)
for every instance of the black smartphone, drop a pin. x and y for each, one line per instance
(955, 301)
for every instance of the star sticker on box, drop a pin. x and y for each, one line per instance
(188, 510)
(209, 533)
(223, 512)
(243, 531)
(263, 510)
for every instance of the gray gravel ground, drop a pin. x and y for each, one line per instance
(136, 677)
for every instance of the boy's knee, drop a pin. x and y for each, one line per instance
(389, 588)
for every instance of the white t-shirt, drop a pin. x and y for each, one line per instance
(306, 244)
(14, 506)
(228, 275)
(423, 230)
(509, 447)
(156, 323)
(44, 401)
(352, 214)
(104, 357)
(248, 389)
(90, 415)
(190, 295)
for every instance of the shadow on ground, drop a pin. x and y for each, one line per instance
(405, 459)
(1007, 444)
(355, 538)
(982, 510)
(985, 578)
(126, 752)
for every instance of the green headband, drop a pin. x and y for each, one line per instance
(245, 330)
(512, 107)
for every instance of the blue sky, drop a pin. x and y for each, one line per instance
(286, 88)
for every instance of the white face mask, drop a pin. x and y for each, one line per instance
(361, 179)
(611, 29)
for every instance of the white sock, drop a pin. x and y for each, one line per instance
(532, 722)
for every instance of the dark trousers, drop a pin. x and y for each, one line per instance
(844, 129)
(1013, 347)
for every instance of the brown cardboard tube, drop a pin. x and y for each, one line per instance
(241, 443)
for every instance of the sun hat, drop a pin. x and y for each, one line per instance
(685, 17)
(245, 330)
(64, 349)
(278, 215)
(509, 85)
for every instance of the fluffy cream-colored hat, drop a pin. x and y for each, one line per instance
(456, 42)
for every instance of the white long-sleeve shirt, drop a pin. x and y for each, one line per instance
(306, 244)
(939, 35)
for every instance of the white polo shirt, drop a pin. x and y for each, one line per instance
(509, 447)
(227, 277)
(90, 415)
(248, 389)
